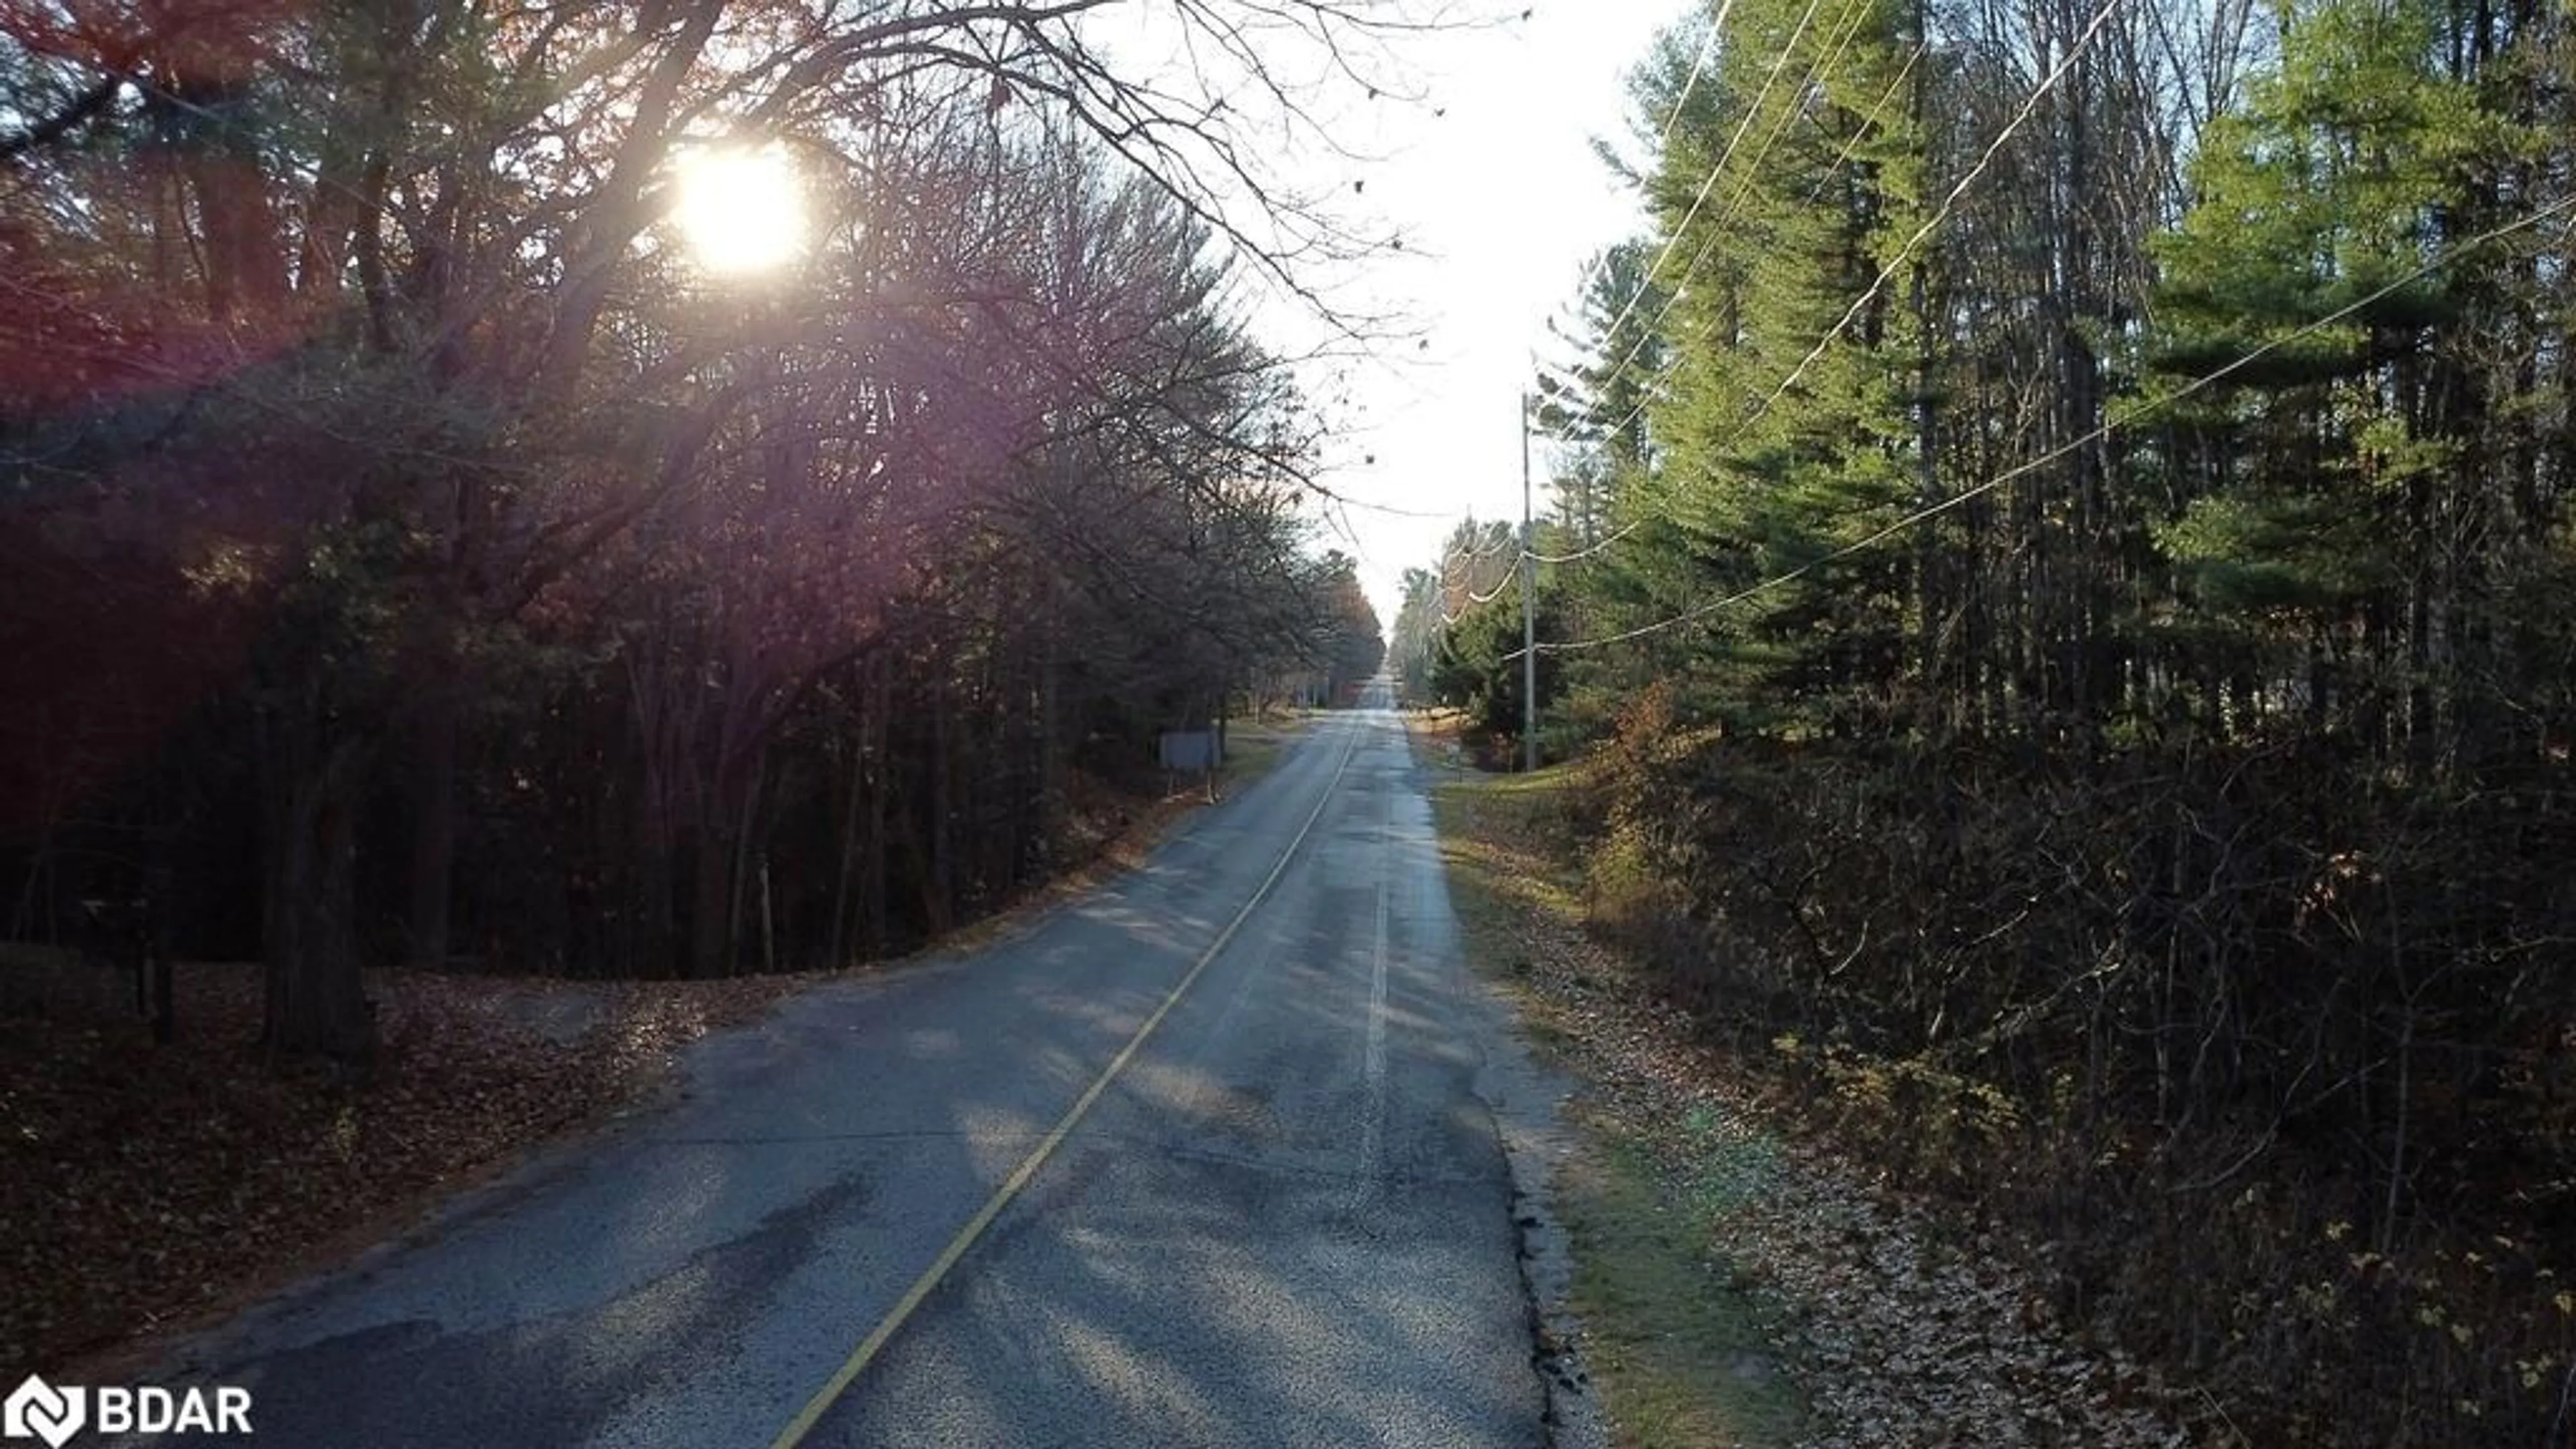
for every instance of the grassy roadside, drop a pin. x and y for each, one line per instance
(1744, 1276)
(1253, 747)
(1683, 1347)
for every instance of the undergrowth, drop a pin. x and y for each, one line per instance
(2264, 1057)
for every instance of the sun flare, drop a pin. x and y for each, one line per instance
(741, 209)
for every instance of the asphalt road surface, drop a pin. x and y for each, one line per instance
(966, 1204)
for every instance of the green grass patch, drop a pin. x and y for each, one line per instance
(1679, 1348)
(1500, 870)
(1249, 758)
(1253, 751)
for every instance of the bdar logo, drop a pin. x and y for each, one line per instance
(38, 1410)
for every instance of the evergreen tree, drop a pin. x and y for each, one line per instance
(2305, 493)
(1788, 194)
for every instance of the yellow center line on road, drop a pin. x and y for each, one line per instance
(958, 1246)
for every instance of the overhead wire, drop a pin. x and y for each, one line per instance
(1699, 67)
(1449, 619)
(1815, 72)
(1672, 121)
(1949, 202)
(1725, 154)
(1449, 563)
(1599, 545)
(2129, 418)
(1878, 283)
(1851, 145)
(1735, 201)
(1454, 556)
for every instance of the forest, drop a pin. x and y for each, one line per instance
(2060, 591)
(413, 552)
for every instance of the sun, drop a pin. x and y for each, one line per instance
(741, 209)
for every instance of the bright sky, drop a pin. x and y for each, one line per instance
(1502, 201)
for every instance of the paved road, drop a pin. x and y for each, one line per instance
(1286, 1219)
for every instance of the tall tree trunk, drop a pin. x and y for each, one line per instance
(316, 1003)
(433, 844)
(740, 870)
(873, 751)
(836, 953)
(943, 806)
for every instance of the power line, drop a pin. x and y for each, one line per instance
(1851, 144)
(1344, 500)
(1453, 556)
(1948, 203)
(1599, 545)
(1985, 160)
(1672, 120)
(2022, 470)
(1735, 202)
(1725, 155)
(1476, 600)
(1699, 67)
(1878, 283)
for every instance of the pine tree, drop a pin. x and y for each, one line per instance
(1788, 430)
(2303, 493)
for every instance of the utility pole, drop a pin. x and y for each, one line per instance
(1529, 606)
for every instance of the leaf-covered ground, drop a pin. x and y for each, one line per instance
(145, 1189)
(1889, 1326)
